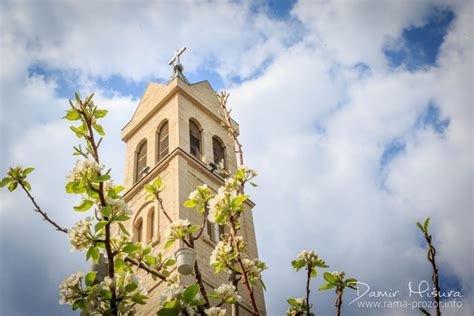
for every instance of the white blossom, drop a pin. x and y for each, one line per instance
(220, 254)
(339, 276)
(310, 257)
(84, 168)
(249, 173)
(173, 229)
(221, 202)
(70, 288)
(226, 291)
(254, 267)
(79, 235)
(174, 279)
(215, 311)
(119, 206)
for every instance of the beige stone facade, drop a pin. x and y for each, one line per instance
(179, 103)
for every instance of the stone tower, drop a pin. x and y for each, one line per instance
(176, 133)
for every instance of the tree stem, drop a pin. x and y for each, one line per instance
(338, 302)
(308, 290)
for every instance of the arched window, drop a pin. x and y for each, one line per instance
(138, 230)
(163, 141)
(194, 139)
(140, 161)
(219, 151)
(150, 230)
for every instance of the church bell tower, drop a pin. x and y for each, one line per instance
(176, 133)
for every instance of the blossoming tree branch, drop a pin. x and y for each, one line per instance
(104, 239)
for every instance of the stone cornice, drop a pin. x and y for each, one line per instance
(159, 167)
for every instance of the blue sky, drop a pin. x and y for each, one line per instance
(357, 115)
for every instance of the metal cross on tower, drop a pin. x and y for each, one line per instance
(175, 60)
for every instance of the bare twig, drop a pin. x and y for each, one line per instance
(160, 201)
(222, 97)
(145, 267)
(198, 275)
(308, 290)
(435, 277)
(38, 209)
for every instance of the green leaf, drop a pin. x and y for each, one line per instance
(100, 225)
(138, 298)
(130, 248)
(89, 98)
(240, 174)
(70, 187)
(292, 302)
(149, 188)
(212, 295)
(84, 206)
(99, 129)
(352, 283)
(27, 185)
(157, 182)
(198, 302)
(426, 223)
(118, 265)
(100, 113)
(326, 286)
(122, 218)
(93, 253)
(168, 311)
(419, 226)
(192, 229)
(190, 204)
(12, 186)
(72, 115)
(118, 189)
(123, 229)
(5, 181)
(78, 132)
(190, 292)
(219, 219)
(28, 170)
(78, 99)
(107, 294)
(240, 199)
(321, 264)
(106, 211)
(264, 287)
(103, 178)
(314, 273)
(169, 243)
(90, 278)
(131, 287)
(329, 277)
(297, 264)
(150, 260)
(80, 303)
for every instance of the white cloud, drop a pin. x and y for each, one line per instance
(311, 124)
(102, 39)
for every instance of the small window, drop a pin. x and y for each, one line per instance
(150, 225)
(214, 231)
(141, 161)
(219, 151)
(138, 230)
(163, 141)
(194, 139)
